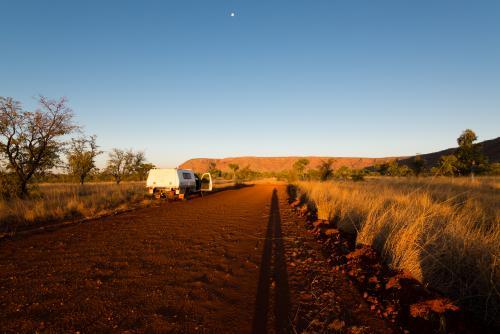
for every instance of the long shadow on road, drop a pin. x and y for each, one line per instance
(272, 269)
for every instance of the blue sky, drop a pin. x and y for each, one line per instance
(182, 79)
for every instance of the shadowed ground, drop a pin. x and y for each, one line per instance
(225, 263)
(273, 278)
(184, 266)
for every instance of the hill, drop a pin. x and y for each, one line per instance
(277, 164)
(491, 149)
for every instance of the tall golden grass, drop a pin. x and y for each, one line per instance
(444, 231)
(56, 202)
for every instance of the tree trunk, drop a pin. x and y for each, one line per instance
(82, 179)
(23, 189)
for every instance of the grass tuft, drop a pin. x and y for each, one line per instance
(57, 202)
(445, 231)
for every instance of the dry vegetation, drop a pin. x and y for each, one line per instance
(444, 231)
(56, 202)
(53, 202)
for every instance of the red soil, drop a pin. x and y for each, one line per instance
(235, 261)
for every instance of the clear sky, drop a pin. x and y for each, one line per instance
(182, 79)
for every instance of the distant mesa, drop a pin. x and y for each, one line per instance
(277, 164)
(491, 149)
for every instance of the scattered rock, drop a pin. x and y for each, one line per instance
(331, 232)
(319, 223)
(397, 281)
(306, 297)
(426, 308)
(336, 325)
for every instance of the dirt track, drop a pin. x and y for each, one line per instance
(212, 264)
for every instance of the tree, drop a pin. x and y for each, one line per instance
(418, 165)
(392, 168)
(143, 169)
(358, 174)
(212, 169)
(447, 165)
(383, 168)
(31, 142)
(343, 172)
(137, 162)
(299, 167)
(120, 164)
(81, 156)
(248, 174)
(234, 168)
(212, 166)
(469, 155)
(325, 169)
(404, 170)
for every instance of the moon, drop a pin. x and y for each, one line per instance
(232, 14)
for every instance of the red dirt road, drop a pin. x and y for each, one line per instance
(212, 264)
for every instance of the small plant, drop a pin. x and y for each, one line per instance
(326, 170)
(358, 175)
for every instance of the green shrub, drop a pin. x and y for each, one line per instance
(8, 187)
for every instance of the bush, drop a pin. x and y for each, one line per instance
(358, 175)
(8, 187)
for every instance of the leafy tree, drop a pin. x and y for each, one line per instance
(447, 166)
(392, 168)
(123, 163)
(137, 165)
(81, 156)
(31, 142)
(382, 168)
(213, 170)
(211, 166)
(247, 174)
(470, 156)
(299, 167)
(313, 174)
(343, 172)
(325, 169)
(143, 169)
(418, 165)
(358, 174)
(234, 168)
(404, 170)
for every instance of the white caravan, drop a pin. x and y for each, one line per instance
(173, 182)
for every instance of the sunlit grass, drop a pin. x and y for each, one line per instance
(445, 231)
(56, 202)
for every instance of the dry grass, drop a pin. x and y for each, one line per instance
(56, 202)
(446, 232)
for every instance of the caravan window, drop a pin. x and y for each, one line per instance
(186, 176)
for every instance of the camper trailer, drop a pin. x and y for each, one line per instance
(176, 183)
